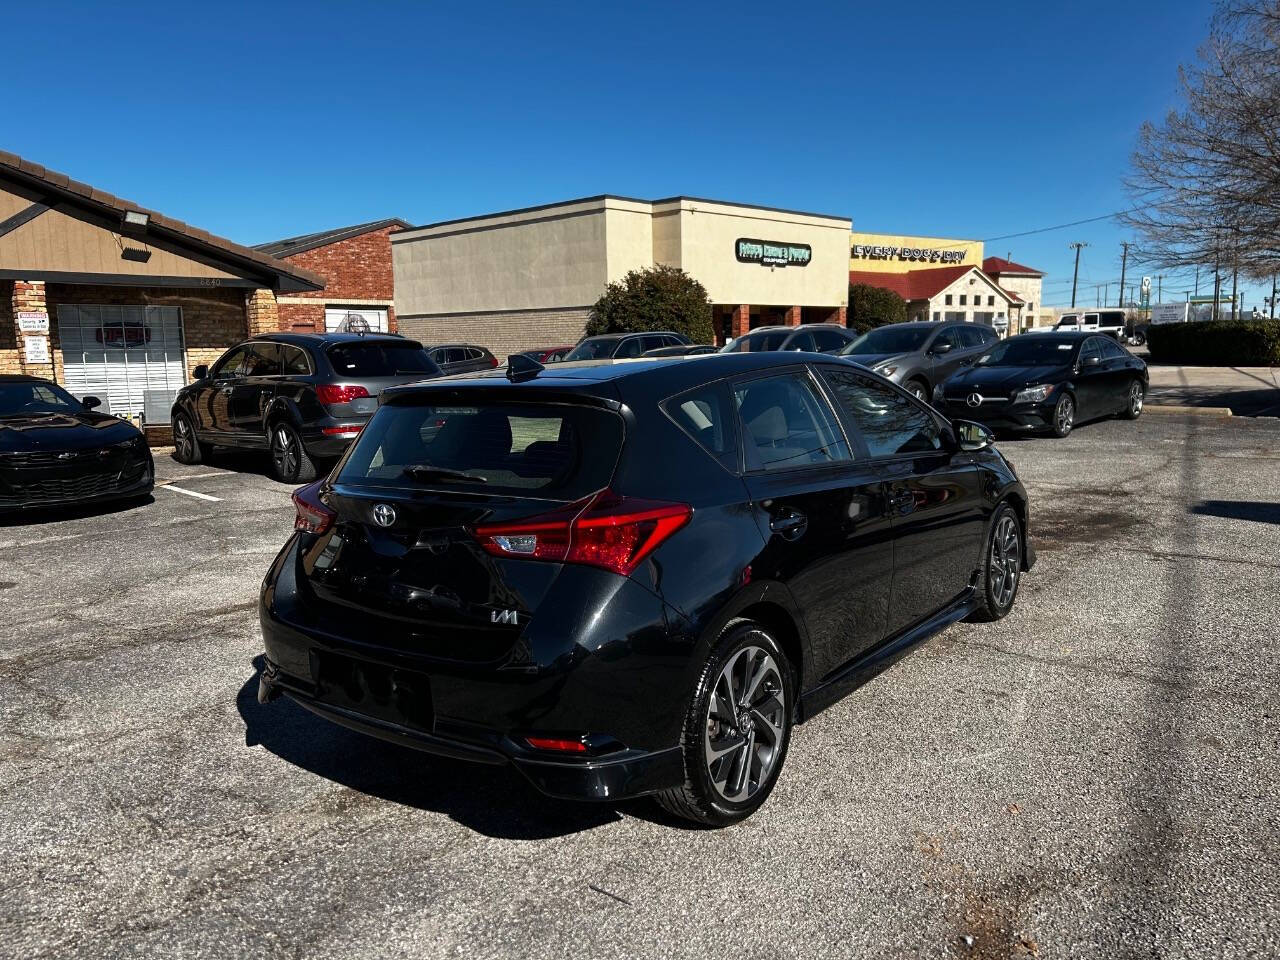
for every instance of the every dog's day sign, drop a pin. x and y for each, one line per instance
(773, 253)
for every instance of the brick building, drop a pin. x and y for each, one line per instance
(111, 299)
(356, 264)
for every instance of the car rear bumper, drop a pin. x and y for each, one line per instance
(626, 707)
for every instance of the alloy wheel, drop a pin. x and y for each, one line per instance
(746, 724)
(918, 392)
(1135, 399)
(1006, 560)
(1065, 415)
(182, 438)
(284, 452)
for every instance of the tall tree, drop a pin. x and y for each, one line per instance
(1206, 180)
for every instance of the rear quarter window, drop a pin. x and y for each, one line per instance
(556, 451)
(709, 418)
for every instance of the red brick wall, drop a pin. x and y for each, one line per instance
(354, 270)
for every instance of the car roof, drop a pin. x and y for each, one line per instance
(445, 346)
(289, 336)
(633, 333)
(21, 378)
(683, 372)
(1062, 335)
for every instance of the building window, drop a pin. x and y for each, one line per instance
(948, 300)
(936, 316)
(1030, 305)
(991, 301)
(964, 299)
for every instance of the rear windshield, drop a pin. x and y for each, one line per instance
(758, 342)
(380, 358)
(558, 451)
(594, 348)
(888, 340)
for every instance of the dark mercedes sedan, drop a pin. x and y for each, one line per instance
(634, 578)
(1047, 382)
(57, 451)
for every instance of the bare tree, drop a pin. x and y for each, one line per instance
(1206, 181)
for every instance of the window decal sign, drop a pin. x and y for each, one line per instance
(772, 253)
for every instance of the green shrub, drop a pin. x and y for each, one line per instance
(874, 307)
(658, 298)
(1223, 344)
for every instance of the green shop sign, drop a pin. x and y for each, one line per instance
(771, 253)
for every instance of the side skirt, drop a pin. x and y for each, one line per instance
(878, 659)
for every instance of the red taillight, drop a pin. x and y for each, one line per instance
(493, 361)
(341, 431)
(553, 743)
(312, 516)
(340, 392)
(604, 530)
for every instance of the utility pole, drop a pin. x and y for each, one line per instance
(1124, 262)
(1273, 296)
(1216, 284)
(1197, 281)
(1159, 288)
(1235, 279)
(1106, 293)
(1075, 274)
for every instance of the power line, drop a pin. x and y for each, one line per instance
(1062, 226)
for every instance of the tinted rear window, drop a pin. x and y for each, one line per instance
(379, 359)
(558, 451)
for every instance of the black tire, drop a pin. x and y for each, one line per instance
(917, 388)
(747, 647)
(1135, 395)
(186, 445)
(290, 462)
(1064, 415)
(1002, 560)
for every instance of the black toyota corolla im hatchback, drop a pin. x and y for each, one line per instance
(633, 578)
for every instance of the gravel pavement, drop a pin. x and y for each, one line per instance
(1096, 775)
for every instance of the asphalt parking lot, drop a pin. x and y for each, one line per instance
(1093, 776)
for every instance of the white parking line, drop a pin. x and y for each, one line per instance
(189, 493)
(193, 476)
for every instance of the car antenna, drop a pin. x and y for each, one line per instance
(522, 367)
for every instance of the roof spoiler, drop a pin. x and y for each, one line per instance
(522, 367)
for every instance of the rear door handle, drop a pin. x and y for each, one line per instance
(789, 524)
(901, 500)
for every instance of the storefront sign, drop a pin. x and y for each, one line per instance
(771, 253)
(33, 322)
(867, 251)
(36, 349)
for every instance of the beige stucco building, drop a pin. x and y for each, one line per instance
(527, 278)
(1026, 284)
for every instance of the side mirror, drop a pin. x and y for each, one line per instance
(940, 348)
(971, 436)
(1092, 361)
(90, 403)
(200, 372)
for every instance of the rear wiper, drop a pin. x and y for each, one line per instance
(421, 471)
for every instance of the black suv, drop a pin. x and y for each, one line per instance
(512, 571)
(625, 346)
(461, 358)
(303, 396)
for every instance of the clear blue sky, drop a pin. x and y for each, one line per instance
(264, 121)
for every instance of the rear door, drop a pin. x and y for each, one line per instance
(410, 571)
(934, 497)
(821, 511)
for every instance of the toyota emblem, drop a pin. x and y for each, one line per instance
(384, 514)
(974, 399)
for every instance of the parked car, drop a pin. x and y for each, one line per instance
(1110, 322)
(683, 350)
(920, 355)
(301, 396)
(548, 354)
(623, 346)
(811, 337)
(535, 585)
(454, 358)
(1047, 383)
(56, 450)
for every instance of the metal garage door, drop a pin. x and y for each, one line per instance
(377, 319)
(131, 357)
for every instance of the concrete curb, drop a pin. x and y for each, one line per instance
(1193, 411)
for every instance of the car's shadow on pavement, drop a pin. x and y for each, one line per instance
(1257, 511)
(493, 800)
(105, 508)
